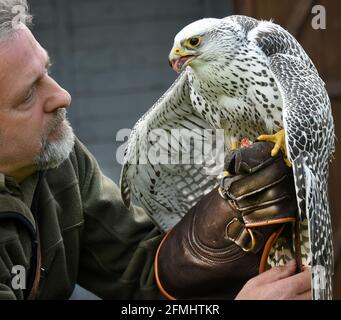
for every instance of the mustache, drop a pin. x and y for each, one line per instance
(59, 117)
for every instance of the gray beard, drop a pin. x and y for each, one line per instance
(54, 153)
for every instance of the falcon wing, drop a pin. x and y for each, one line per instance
(165, 188)
(309, 131)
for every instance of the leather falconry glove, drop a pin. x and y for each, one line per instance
(222, 241)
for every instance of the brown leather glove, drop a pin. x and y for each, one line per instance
(217, 247)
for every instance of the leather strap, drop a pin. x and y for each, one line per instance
(34, 209)
(34, 290)
(156, 270)
(268, 245)
(298, 253)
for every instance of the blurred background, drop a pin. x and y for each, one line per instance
(111, 55)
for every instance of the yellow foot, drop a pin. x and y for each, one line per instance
(279, 140)
(234, 146)
(226, 173)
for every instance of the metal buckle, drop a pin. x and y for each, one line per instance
(253, 241)
(221, 192)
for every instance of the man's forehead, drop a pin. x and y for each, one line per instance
(21, 59)
(22, 49)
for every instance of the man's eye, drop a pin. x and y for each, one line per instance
(30, 95)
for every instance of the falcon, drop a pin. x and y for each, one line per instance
(252, 80)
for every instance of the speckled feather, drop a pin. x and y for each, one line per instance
(252, 78)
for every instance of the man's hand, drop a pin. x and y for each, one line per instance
(279, 283)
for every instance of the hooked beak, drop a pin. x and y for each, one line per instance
(179, 59)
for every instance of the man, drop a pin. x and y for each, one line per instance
(63, 222)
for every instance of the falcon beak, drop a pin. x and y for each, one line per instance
(179, 59)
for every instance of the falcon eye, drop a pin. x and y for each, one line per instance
(194, 42)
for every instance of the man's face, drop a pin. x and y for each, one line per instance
(33, 129)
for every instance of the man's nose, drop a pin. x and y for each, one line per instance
(57, 98)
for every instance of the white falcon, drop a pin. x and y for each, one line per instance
(249, 78)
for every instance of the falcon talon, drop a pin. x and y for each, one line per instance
(234, 146)
(278, 139)
(226, 173)
(287, 162)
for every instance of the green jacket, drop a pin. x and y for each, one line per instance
(87, 235)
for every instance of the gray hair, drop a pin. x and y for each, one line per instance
(13, 13)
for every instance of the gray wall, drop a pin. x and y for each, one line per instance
(111, 56)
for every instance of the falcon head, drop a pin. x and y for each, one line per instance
(203, 41)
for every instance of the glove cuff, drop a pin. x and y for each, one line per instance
(156, 270)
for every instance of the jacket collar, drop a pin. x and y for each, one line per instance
(24, 191)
